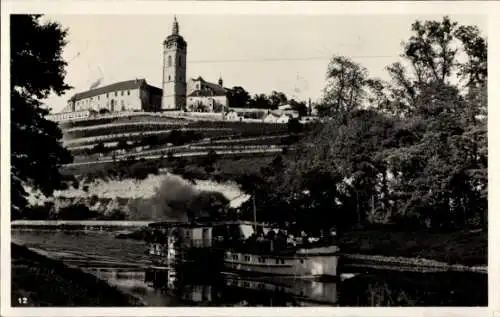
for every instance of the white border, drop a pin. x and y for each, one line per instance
(492, 9)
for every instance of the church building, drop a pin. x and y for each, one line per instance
(204, 96)
(176, 93)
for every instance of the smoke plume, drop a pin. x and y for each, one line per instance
(177, 200)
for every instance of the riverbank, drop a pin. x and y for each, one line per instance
(38, 281)
(465, 247)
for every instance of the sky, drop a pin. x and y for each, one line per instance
(261, 53)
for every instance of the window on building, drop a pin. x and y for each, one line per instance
(168, 77)
(107, 95)
(128, 92)
(116, 93)
(122, 92)
(169, 61)
(98, 98)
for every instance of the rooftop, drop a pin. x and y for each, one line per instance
(123, 85)
(213, 89)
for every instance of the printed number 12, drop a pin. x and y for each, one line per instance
(22, 300)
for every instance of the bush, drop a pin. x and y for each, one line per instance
(75, 212)
(40, 212)
(115, 215)
(294, 126)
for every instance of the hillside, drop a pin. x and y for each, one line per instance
(99, 143)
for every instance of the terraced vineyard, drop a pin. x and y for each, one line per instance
(152, 137)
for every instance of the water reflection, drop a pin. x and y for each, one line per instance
(178, 288)
(385, 288)
(164, 287)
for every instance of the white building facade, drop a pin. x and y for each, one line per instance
(204, 96)
(131, 95)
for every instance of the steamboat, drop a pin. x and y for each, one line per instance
(242, 247)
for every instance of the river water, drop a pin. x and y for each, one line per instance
(124, 264)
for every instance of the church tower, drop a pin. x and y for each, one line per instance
(174, 70)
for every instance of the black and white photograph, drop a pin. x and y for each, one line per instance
(246, 160)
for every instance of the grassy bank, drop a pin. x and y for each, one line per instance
(40, 281)
(460, 247)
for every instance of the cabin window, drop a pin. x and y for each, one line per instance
(247, 258)
(277, 261)
(282, 261)
(301, 261)
(262, 260)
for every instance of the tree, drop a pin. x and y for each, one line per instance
(299, 106)
(99, 148)
(122, 145)
(238, 97)
(260, 102)
(219, 108)
(441, 171)
(151, 140)
(432, 54)
(37, 70)
(209, 160)
(170, 156)
(277, 99)
(417, 155)
(344, 89)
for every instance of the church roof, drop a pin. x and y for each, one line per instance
(122, 85)
(208, 89)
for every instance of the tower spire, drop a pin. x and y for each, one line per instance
(175, 27)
